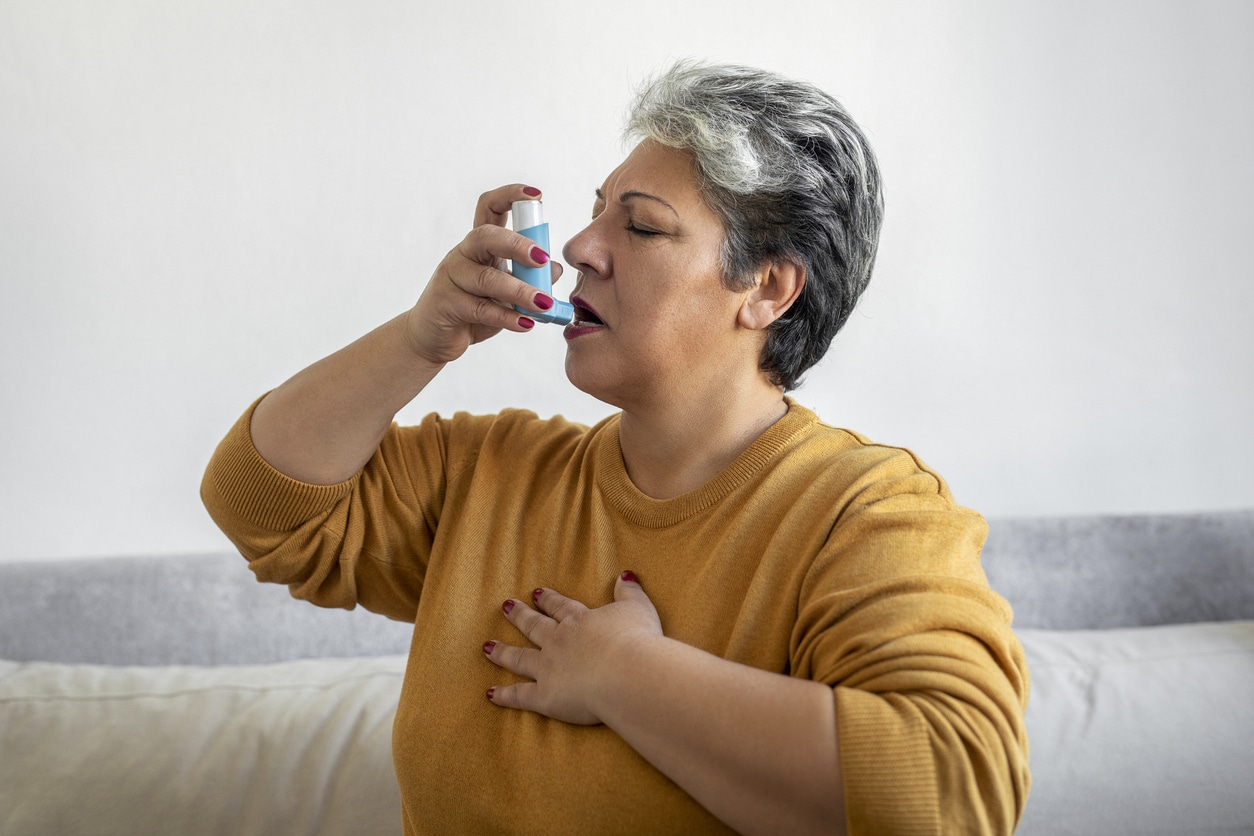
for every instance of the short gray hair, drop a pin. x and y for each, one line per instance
(791, 176)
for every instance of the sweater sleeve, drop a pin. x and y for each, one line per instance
(929, 683)
(363, 541)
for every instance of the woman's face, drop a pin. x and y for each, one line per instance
(653, 319)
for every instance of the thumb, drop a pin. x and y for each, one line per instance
(627, 588)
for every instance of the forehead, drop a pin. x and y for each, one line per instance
(655, 169)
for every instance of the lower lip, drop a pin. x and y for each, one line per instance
(574, 331)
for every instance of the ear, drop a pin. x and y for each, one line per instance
(776, 287)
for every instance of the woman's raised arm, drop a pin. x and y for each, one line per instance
(324, 423)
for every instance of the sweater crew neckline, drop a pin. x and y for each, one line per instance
(640, 509)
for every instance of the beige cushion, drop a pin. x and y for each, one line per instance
(1144, 730)
(298, 747)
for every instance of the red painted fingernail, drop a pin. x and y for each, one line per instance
(531, 191)
(491, 691)
(526, 322)
(539, 256)
(630, 577)
(487, 647)
(507, 606)
(543, 302)
(535, 596)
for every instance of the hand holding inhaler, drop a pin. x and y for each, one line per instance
(473, 294)
(527, 219)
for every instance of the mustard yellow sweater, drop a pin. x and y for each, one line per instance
(815, 554)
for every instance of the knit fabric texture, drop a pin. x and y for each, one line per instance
(815, 554)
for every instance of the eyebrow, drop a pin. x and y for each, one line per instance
(626, 196)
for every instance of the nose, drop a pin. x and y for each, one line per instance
(586, 250)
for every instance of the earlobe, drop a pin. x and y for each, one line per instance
(778, 285)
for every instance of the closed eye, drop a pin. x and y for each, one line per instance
(641, 231)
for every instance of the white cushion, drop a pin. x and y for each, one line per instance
(298, 747)
(1146, 730)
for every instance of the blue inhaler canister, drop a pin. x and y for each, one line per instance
(527, 218)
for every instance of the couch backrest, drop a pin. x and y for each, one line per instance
(192, 609)
(1058, 573)
(1072, 573)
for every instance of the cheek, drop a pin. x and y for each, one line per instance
(673, 304)
(701, 308)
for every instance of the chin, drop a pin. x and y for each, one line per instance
(593, 382)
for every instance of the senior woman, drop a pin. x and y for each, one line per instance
(708, 611)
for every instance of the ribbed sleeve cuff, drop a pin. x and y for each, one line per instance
(886, 760)
(238, 480)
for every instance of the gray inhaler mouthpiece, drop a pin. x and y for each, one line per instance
(527, 218)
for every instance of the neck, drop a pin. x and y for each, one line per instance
(675, 447)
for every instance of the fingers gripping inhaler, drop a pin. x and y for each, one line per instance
(528, 220)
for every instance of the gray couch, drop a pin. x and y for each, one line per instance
(177, 695)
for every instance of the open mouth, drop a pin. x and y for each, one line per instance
(584, 315)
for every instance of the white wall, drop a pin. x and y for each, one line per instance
(198, 198)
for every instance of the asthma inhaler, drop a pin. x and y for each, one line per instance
(528, 220)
